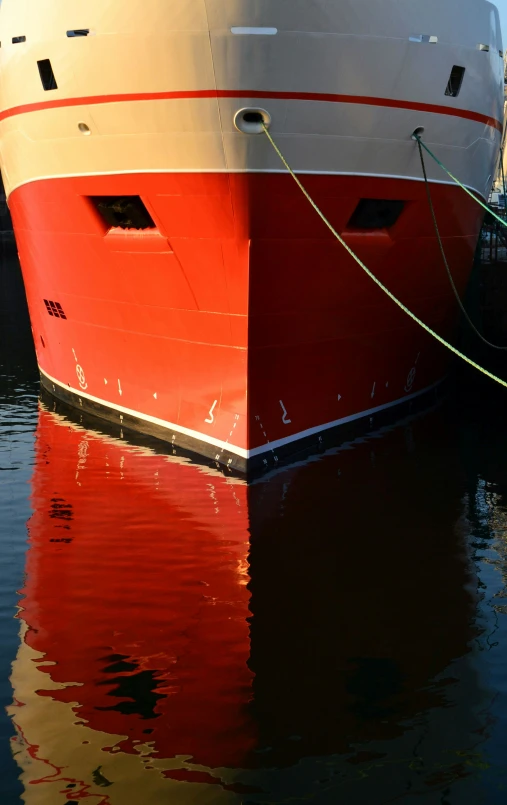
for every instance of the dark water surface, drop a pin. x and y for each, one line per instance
(335, 633)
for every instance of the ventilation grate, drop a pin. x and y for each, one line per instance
(46, 74)
(374, 213)
(455, 81)
(78, 32)
(61, 510)
(125, 212)
(54, 309)
(17, 39)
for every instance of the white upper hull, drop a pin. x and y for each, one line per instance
(122, 78)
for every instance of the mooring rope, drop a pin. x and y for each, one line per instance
(448, 172)
(503, 179)
(444, 258)
(372, 276)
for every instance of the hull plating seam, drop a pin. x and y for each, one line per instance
(389, 103)
(235, 449)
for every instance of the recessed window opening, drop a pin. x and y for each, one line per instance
(46, 75)
(17, 39)
(125, 212)
(78, 32)
(455, 81)
(485, 48)
(374, 213)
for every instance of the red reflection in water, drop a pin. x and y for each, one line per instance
(136, 589)
(136, 597)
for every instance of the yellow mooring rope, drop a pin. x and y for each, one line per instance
(374, 278)
(417, 138)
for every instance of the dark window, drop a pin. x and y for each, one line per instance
(17, 39)
(373, 213)
(126, 212)
(455, 81)
(79, 32)
(46, 74)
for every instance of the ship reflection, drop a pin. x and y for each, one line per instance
(186, 636)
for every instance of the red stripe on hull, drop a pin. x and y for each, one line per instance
(326, 97)
(240, 318)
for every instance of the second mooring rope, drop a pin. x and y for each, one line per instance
(417, 138)
(373, 277)
(444, 258)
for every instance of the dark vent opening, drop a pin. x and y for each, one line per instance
(78, 32)
(455, 81)
(126, 212)
(17, 39)
(46, 74)
(54, 309)
(252, 117)
(373, 213)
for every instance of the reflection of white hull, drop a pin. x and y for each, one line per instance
(54, 749)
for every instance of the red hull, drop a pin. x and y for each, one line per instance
(238, 325)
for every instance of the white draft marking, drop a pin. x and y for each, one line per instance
(155, 395)
(339, 397)
(241, 451)
(285, 419)
(74, 353)
(410, 380)
(211, 417)
(105, 381)
(119, 388)
(81, 377)
(373, 390)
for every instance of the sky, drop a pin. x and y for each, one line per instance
(502, 7)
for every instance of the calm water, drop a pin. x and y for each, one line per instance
(335, 633)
